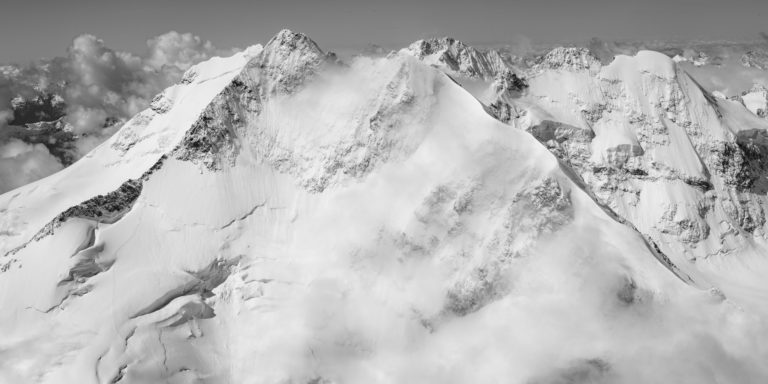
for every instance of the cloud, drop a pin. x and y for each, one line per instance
(520, 45)
(22, 163)
(103, 83)
(84, 119)
(101, 88)
(6, 115)
(180, 50)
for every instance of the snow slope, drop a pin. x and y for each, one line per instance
(138, 146)
(756, 100)
(687, 169)
(458, 58)
(279, 218)
(475, 69)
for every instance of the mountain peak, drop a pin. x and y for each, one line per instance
(289, 40)
(756, 100)
(569, 58)
(290, 57)
(458, 58)
(426, 47)
(267, 221)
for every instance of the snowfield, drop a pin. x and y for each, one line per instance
(280, 217)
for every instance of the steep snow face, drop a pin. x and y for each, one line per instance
(686, 169)
(458, 58)
(369, 223)
(756, 100)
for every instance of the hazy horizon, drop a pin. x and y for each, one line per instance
(34, 30)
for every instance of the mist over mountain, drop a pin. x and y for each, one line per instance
(54, 111)
(440, 212)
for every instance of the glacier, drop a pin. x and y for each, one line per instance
(282, 217)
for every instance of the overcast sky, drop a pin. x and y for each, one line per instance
(33, 28)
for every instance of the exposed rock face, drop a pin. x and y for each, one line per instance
(237, 115)
(56, 136)
(698, 59)
(337, 220)
(106, 208)
(288, 59)
(568, 58)
(507, 82)
(755, 59)
(101, 209)
(460, 59)
(211, 141)
(505, 87)
(40, 119)
(569, 143)
(42, 108)
(579, 371)
(161, 103)
(756, 100)
(653, 146)
(35, 94)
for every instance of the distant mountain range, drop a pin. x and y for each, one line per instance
(439, 213)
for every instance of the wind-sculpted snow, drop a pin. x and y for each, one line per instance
(367, 222)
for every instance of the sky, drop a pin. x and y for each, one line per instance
(30, 29)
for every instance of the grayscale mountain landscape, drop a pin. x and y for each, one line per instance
(540, 210)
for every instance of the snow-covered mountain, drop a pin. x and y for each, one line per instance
(277, 217)
(35, 109)
(55, 111)
(756, 100)
(757, 58)
(687, 169)
(459, 59)
(568, 58)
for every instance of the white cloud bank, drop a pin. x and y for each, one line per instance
(101, 88)
(22, 163)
